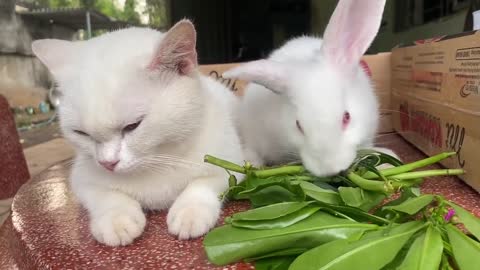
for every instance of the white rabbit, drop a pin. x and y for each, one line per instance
(311, 98)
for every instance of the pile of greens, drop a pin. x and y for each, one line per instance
(301, 222)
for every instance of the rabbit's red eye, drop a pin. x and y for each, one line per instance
(346, 119)
(299, 126)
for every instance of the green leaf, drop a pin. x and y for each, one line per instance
(412, 205)
(250, 181)
(232, 181)
(407, 193)
(274, 263)
(233, 191)
(281, 222)
(280, 253)
(387, 159)
(318, 257)
(374, 170)
(357, 197)
(352, 196)
(273, 211)
(466, 251)
(414, 191)
(471, 222)
(358, 214)
(285, 182)
(228, 244)
(319, 194)
(394, 228)
(272, 195)
(324, 185)
(370, 253)
(399, 258)
(425, 252)
(252, 187)
(445, 265)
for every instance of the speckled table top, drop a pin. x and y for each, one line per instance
(49, 230)
(13, 167)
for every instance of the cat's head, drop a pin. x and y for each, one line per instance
(127, 95)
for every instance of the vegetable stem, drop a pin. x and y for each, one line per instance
(224, 164)
(410, 166)
(369, 184)
(291, 170)
(421, 174)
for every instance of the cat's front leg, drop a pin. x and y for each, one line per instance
(115, 218)
(197, 209)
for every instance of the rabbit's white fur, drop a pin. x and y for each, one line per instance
(314, 82)
(118, 78)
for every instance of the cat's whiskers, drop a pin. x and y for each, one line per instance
(171, 162)
(172, 165)
(157, 168)
(75, 161)
(163, 157)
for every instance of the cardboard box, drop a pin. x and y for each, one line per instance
(216, 71)
(377, 66)
(435, 89)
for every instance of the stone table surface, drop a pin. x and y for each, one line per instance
(13, 167)
(48, 229)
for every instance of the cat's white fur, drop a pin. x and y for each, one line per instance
(116, 79)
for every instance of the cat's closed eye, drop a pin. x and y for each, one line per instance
(131, 127)
(81, 133)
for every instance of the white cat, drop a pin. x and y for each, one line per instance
(142, 118)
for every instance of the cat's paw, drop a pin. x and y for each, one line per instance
(118, 227)
(192, 220)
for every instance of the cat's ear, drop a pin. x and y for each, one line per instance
(53, 53)
(177, 49)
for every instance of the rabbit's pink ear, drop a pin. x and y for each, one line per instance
(351, 29)
(267, 73)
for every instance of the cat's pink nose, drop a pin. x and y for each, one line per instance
(109, 165)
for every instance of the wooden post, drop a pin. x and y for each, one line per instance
(89, 25)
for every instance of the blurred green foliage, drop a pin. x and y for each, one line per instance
(155, 9)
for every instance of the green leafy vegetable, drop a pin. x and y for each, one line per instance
(343, 254)
(228, 244)
(410, 192)
(319, 194)
(465, 249)
(425, 252)
(269, 212)
(284, 252)
(301, 221)
(471, 222)
(280, 222)
(411, 166)
(360, 198)
(274, 263)
(412, 205)
(271, 195)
